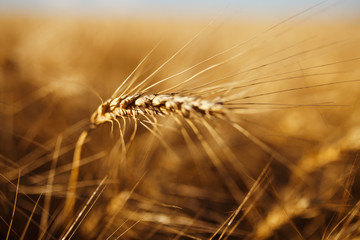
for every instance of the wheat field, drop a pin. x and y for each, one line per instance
(279, 162)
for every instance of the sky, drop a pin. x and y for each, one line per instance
(256, 8)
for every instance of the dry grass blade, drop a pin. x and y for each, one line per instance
(70, 232)
(47, 201)
(30, 219)
(14, 207)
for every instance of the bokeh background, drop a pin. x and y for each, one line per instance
(57, 57)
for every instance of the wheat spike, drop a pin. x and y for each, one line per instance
(155, 104)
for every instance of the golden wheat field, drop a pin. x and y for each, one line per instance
(254, 133)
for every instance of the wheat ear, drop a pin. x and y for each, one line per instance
(156, 104)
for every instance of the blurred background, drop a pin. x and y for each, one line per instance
(55, 54)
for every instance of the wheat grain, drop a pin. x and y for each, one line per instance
(155, 104)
